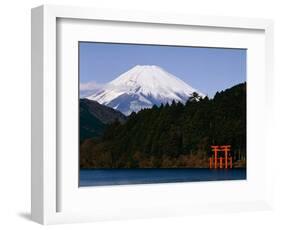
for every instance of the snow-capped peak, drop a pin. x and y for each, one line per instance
(142, 87)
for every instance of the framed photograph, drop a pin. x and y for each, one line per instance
(138, 114)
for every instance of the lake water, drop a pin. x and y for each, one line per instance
(99, 177)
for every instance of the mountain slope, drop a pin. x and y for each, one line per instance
(94, 117)
(176, 135)
(142, 87)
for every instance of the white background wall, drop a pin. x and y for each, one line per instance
(15, 112)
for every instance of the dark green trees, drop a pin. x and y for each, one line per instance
(173, 135)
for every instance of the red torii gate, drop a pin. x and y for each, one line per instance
(227, 158)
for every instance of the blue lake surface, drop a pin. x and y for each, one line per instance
(100, 177)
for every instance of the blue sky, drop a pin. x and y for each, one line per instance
(206, 69)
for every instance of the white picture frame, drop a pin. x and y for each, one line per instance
(54, 201)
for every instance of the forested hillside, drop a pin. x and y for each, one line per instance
(176, 135)
(94, 118)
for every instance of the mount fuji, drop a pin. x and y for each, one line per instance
(142, 87)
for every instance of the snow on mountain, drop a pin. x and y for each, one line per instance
(142, 87)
